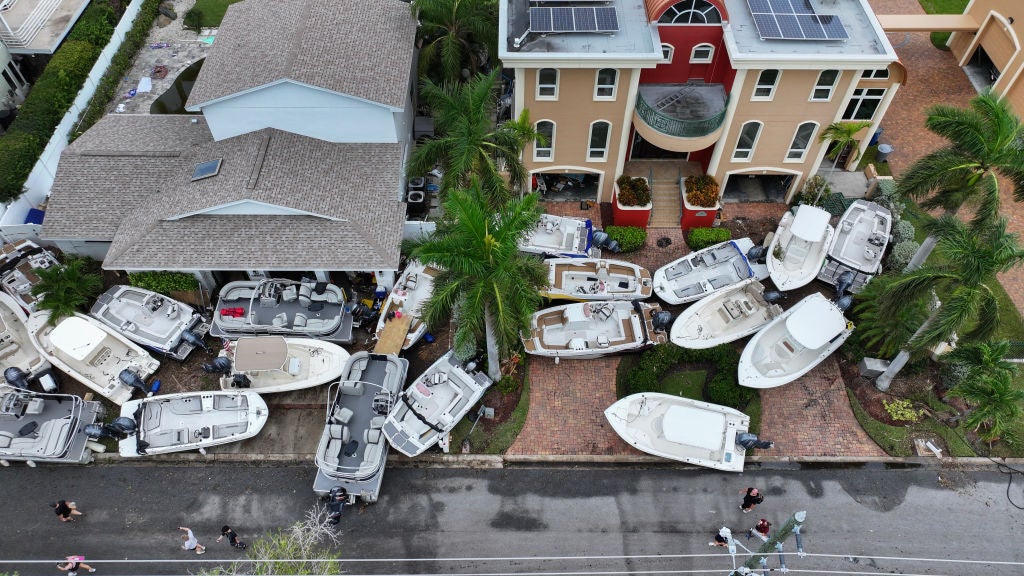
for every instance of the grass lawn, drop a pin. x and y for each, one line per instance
(939, 39)
(498, 440)
(686, 384)
(869, 158)
(213, 11)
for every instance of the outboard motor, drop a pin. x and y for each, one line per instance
(749, 441)
(119, 429)
(194, 339)
(843, 283)
(603, 241)
(16, 377)
(219, 365)
(773, 296)
(757, 254)
(844, 302)
(661, 320)
(132, 379)
(124, 425)
(240, 381)
(337, 499)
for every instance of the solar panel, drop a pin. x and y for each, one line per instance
(540, 19)
(607, 21)
(573, 19)
(561, 20)
(585, 19)
(794, 20)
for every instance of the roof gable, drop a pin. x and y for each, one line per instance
(248, 208)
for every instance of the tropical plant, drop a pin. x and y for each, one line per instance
(902, 409)
(885, 334)
(842, 135)
(986, 142)
(901, 254)
(630, 238)
(66, 288)
(985, 358)
(633, 190)
(996, 403)
(487, 285)
(164, 282)
(902, 231)
(699, 238)
(455, 35)
(815, 188)
(970, 308)
(469, 144)
(701, 191)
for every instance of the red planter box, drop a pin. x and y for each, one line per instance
(697, 216)
(638, 216)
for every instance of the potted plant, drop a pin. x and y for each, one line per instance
(700, 201)
(632, 206)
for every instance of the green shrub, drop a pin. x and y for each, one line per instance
(901, 255)
(704, 237)
(887, 197)
(630, 238)
(902, 410)
(164, 282)
(816, 189)
(902, 231)
(646, 374)
(20, 151)
(193, 20)
(95, 25)
(723, 389)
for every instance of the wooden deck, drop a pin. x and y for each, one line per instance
(392, 337)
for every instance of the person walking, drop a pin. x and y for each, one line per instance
(722, 537)
(751, 498)
(191, 543)
(762, 530)
(232, 536)
(66, 511)
(73, 564)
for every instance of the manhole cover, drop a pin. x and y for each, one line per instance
(664, 242)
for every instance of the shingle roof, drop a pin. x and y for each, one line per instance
(363, 48)
(113, 186)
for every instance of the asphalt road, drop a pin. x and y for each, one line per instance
(530, 520)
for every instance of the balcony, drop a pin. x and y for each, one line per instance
(680, 117)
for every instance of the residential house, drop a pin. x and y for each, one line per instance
(991, 52)
(294, 166)
(739, 89)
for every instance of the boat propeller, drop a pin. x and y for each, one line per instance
(132, 379)
(603, 241)
(194, 339)
(749, 441)
(219, 365)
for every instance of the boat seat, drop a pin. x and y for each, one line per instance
(230, 429)
(5, 439)
(602, 341)
(304, 295)
(721, 281)
(299, 321)
(9, 350)
(741, 268)
(339, 432)
(352, 388)
(679, 269)
(294, 366)
(726, 318)
(223, 402)
(371, 435)
(280, 320)
(410, 281)
(290, 294)
(576, 344)
(687, 291)
(377, 422)
(784, 350)
(316, 324)
(342, 416)
(333, 451)
(373, 453)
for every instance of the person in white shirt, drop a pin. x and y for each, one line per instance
(191, 543)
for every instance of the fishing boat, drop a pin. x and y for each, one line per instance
(724, 317)
(415, 286)
(559, 237)
(799, 247)
(16, 349)
(793, 343)
(594, 329)
(17, 271)
(277, 306)
(95, 355)
(681, 429)
(153, 320)
(434, 403)
(588, 279)
(858, 245)
(707, 271)
(353, 450)
(191, 421)
(36, 427)
(270, 364)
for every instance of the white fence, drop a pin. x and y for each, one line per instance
(40, 181)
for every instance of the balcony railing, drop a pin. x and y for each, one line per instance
(677, 127)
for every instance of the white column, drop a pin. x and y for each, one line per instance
(723, 141)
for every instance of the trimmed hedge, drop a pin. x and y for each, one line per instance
(654, 363)
(119, 65)
(164, 282)
(703, 237)
(630, 238)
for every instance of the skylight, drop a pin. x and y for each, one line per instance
(206, 169)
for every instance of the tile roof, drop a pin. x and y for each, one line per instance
(363, 48)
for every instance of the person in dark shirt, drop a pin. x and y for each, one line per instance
(65, 511)
(751, 498)
(232, 536)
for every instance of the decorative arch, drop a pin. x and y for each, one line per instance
(686, 12)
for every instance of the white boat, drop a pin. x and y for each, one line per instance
(793, 343)
(799, 246)
(413, 289)
(596, 279)
(724, 317)
(269, 364)
(282, 307)
(433, 404)
(559, 237)
(707, 271)
(353, 451)
(90, 352)
(191, 421)
(594, 329)
(37, 427)
(681, 429)
(858, 245)
(17, 271)
(16, 349)
(156, 321)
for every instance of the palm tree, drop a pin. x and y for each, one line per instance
(488, 286)
(986, 142)
(469, 143)
(66, 288)
(996, 402)
(842, 135)
(885, 333)
(451, 34)
(973, 258)
(986, 358)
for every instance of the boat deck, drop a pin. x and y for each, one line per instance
(598, 278)
(706, 271)
(859, 244)
(166, 423)
(557, 235)
(16, 348)
(289, 312)
(737, 312)
(157, 324)
(393, 337)
(603, 327)
(44, 427)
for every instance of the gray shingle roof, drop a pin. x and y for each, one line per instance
(363, 48)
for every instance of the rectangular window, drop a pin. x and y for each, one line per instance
(547, 84)
(604, 88)
(767, 80)
(823, 88)
(598, 148)
(748, 138)
(802, 138)
(864, 103)
(879, 74)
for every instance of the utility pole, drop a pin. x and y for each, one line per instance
(760, 559)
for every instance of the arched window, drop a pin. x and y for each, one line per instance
(597, 149)
(544, 146)
(547, 84)
(691, 12)
(604, 86)
(767, 80)
(801, 140)
(747, 140)
(824, 86)
(667, 50)
(702, 54)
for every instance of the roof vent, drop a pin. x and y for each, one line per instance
(206, 169)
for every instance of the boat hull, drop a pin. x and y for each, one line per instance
(559, 237)
(705, 272)
(590, 330)
(16, 349)
(149, 319)
(415, 287)
(318, 362)
(59, 421)
(793, 261)
(858, 245)
(283, 308)
(724, 317)
(592, 279)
